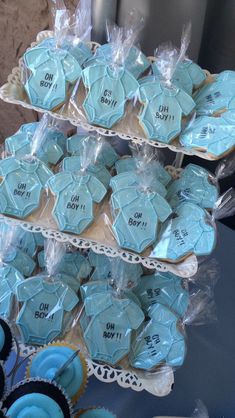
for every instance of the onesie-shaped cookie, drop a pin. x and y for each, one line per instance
(51, 73)
(74, 165)
(24, 240)
(158, 341)
(103, 268)
(213, 135)
(194, 185)
(163, 109)
(189, 232)
(44, 305)
(74, 200)
(73, 264)
(164, 288)
(217, 96)
(187, 76)
(22, 184)
(136, 62)
(51, 150)
(108, 90)
(152, 168)
(138, 213)
(81, 52)
(9, 279)
(106, 155)
(136, 179)
(20, 260)
(108, 335)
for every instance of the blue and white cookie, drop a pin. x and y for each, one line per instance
(216, 136)
(190, 231)
(194, 185)
(216, 96)
(158, 341)
(164, 288)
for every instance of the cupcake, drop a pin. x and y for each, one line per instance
(95, 413)
(37, 398)
(6, 340)
(48, 360)
(2, 383)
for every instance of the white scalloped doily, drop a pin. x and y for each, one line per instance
(187, 268)
(158, 384)
(10, 92)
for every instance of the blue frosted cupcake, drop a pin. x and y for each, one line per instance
(48, 360)
(6, 340)
(37, 398)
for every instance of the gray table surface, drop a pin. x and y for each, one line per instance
(209, 369)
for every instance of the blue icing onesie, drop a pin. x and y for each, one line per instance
(20, 260)
(108, 92)
(189, 232)
(153, 167)
(24, 240)
(81, 52)
(187, 75)
(138, 213)
(214, 135)
(74, 165)
(106, 155)
(136, 179)
(218, 95)
(158, 341)
(50, 151)
(71, 263)
(136, 62)
(108, 335)
(93, 287)
(75, 197)
(9, 279)
(162, 110)
(164, 288)
(22, 185)
(35, 405)
(194, 186)
(47, 362)
(51, 71)
(103, 268)
(44, 305)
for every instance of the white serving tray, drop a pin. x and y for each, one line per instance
(13, 92)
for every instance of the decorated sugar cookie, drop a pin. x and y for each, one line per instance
(22, 184)
(213, 135)
(190, 231)
(75, 197)
(158, 341)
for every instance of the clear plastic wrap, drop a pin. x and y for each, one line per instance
(48, 144)
(46, 305)
(110, 315)
(199, 186)
(214, 135)
(137, 202)
(79, 188)
(192, 229)
(109, 86)
(217, 96)
(51, 68)
(170, 304)
(199, 412)
(22, 189)
(163, 103)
